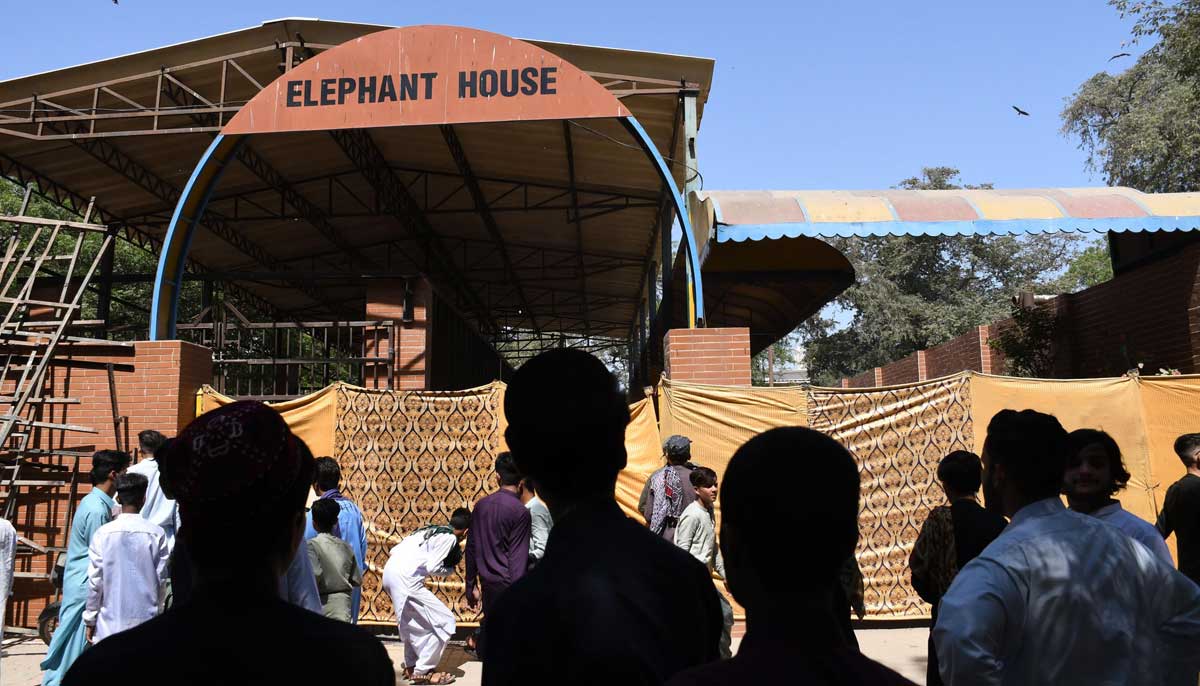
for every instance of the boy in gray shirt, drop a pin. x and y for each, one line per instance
(697, 534)
(333, 563)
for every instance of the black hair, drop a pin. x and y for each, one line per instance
(1081, 438)
(105, 462)
(1186, 447)
(961, 471)
(755, 505)
(131, 489)
(575, 446)
(506, 469)
(325, 515)
(151, 442)
(1032, 447)
(327, 474)
(460, 519)
(702, 477)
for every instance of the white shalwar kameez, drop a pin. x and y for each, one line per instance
(424, 622)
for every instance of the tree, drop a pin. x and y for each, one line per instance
(1175, 24)
(1090, 267)
(1141, 128)
(914, 292)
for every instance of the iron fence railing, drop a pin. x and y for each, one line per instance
(281, 360)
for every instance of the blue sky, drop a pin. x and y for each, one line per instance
(806, 94)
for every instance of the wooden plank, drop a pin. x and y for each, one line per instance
(21, 421)
(21, 219)
(42, 401)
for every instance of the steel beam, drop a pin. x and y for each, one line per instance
(179, 92)
(369, 160)
(566, 127)
(481, 206)
(76, 203)
(606, 199)
(112, 157)
(663, 222)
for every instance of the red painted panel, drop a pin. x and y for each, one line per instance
(1097, 206)
(911, 207)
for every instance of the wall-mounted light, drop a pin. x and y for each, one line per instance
(407, 317)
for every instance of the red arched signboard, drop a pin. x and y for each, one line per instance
(410, 76)
(425, 75)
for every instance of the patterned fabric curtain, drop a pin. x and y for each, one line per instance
(409, 459)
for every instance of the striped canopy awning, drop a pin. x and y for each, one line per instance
(756, 215)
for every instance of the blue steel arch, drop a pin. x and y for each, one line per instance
(164, 309)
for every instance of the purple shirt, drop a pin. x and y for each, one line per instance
(498, 540)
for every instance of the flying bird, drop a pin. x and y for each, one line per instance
(116, 2)
(1119, 54)
(1020, 112)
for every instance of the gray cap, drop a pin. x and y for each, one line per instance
(678, 446)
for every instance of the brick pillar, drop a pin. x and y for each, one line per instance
(408, 344)
(922, 368)
(985, 351)
(712, 356)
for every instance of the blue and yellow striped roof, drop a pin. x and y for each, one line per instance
(756, 215)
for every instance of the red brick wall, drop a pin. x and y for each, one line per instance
(156, 386)
(410, 351)
(901, 371)
(712, 356)
(867, 379)
(1149, 315)
(958, 354)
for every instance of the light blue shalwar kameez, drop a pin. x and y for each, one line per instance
(95, 510)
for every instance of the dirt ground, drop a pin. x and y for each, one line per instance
(901, 649)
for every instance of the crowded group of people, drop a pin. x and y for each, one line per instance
(1029, 590)
(207, 568)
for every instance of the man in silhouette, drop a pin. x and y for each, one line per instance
(240, 478)
(610, 602)
(1059, 597)
(792, 634)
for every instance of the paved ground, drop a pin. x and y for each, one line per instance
(901, 649)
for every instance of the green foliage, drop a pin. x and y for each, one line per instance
(1028, 345)
(914, 292)
(1090, 267)
(1175, 24)
(1141, 128)
(129, 313)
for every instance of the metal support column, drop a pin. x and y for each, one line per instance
(691, 124)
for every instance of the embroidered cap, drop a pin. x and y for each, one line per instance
(241, 452)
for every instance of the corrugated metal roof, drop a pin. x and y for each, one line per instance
(756, 215)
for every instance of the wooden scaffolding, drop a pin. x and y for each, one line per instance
(37, 313)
